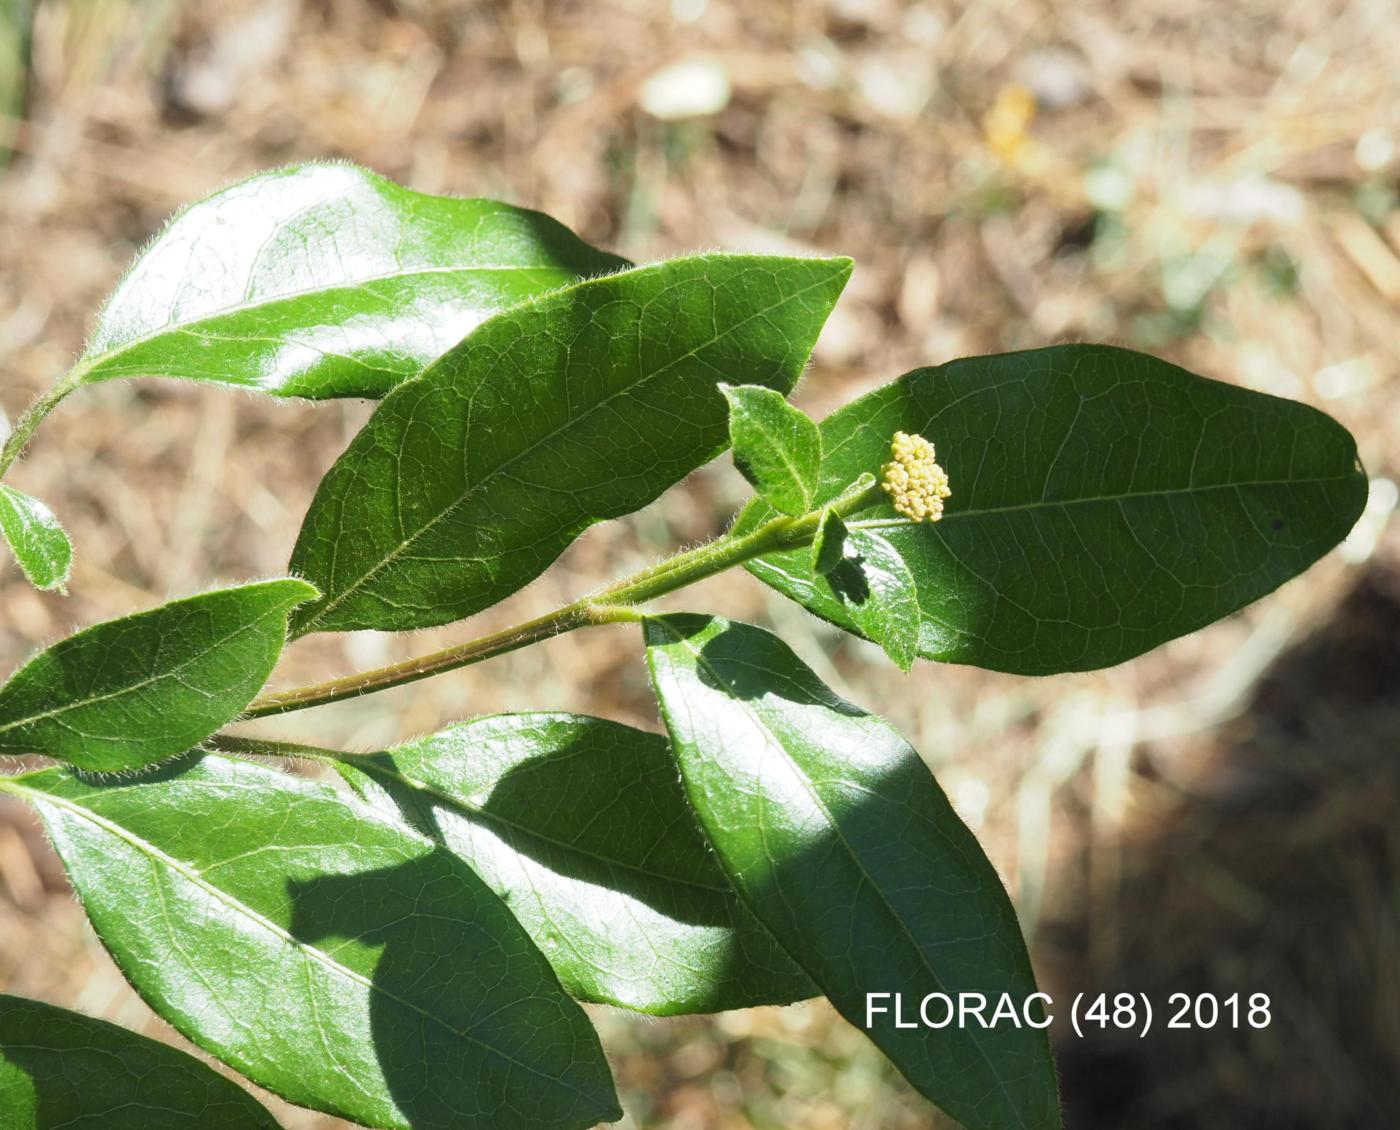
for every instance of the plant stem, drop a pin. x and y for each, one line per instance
(266, 747)
(611, 605)
(34, 415)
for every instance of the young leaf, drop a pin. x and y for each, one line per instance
(128, 692)
(61, 1068)
(829, 545)
(831, 828)
(581, 825)
(325, 280)
(38, 542)
(580, 406)
(876, 589)
(1103, 503)
(776, 447)
(335, 959)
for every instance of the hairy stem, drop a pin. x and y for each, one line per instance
(267, 747)
(33, 416)
(611, 605)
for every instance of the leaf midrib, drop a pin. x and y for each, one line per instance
(34, 536)
(95, 362)
(488, 817)
(501, 468)
(239, 907)
(809, 787)
(798, 480)
(135, 688)
(1050, 504)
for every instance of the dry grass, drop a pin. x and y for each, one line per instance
(1215, 182)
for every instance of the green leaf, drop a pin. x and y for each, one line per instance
(325, 280)
(340, 961)
(776, 447)
(582, 827)
(64, 1069)
(39, 543)
(832, 829)
(1103, 503)
(829, 544)
(877, 591)
(580, 406)
(128, 692)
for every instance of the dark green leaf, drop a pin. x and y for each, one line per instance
(876, 591)
(829, 545)
(39, 543)
(128, 692)
(580, 406)
(832, 829)
(776, 447)
(1103, 503)
(64, 1069)
(334, 958)
(581, 826)
(325, 280)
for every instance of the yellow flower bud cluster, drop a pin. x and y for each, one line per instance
(916, 484)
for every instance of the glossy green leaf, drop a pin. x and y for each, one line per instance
(876, 590)
(61, 1069)
(39, 543)
(330, 956)
(832, 829)
(325, 280)
(580, 406)
(128, 692)
(776, 447)
(581, 826)
(1103, 503)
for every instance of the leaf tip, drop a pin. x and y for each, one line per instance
(299, 591)
(842, 265)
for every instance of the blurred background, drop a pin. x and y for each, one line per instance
(1210, 180)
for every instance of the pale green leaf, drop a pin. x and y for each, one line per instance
(580, 406)
(325, 280)
(36, 538)
(832, 829)
(128, 692)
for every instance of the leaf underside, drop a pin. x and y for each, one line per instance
(580, 406)
(339, 961)
(1103, 503)
(324, 280)
(582, 827)
(832, 829)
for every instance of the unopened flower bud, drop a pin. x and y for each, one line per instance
(916, 484)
